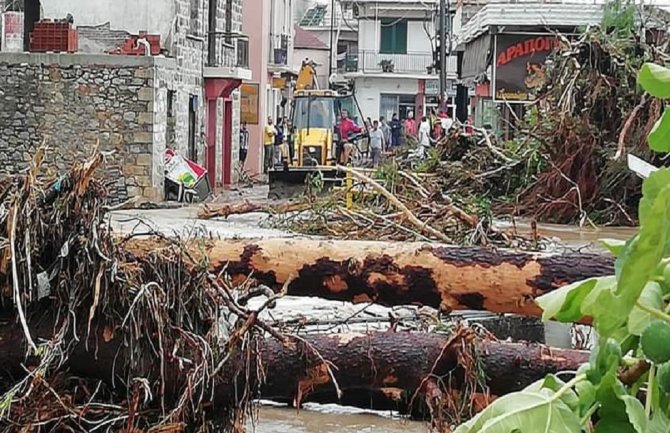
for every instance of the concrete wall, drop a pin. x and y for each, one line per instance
(72, 103)
(369, 89)
(153, 16)
(255, 23)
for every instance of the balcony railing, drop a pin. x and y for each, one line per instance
(375, 62)
(231, 51)
(242, 53)
(280, 50)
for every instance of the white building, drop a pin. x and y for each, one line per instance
(393, 69)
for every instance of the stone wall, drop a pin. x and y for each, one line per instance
(75, 102)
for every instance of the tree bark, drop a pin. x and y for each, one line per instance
(383, 363)
(397, 273)
(381, 370)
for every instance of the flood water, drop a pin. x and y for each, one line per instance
(315, 418)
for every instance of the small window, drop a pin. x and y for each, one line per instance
(194, 17)
(393, 36)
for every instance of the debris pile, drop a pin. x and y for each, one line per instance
(93, 336)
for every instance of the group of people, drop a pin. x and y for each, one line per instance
(382, 136)
(385, 136)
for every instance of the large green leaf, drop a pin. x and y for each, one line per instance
(638, 262)
(659, 137)
(618, 411)
(651, 297)
(651, 188)
(655, 79)
(565, 304)
(537, 411)
(659, 423)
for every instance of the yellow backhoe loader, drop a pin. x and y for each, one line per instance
(313, 133)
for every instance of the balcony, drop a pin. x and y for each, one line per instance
(231, 58)
(372, 62)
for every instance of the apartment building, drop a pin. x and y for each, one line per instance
(183, 97)
(393, 69)
(269, 25)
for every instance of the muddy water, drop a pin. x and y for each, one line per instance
(572, 235)
(332, 419)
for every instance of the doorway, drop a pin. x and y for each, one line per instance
(192, 147)
(31, 15)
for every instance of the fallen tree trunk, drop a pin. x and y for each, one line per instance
(445, 277)
(398, 364)
(226, 210)
(391, 366)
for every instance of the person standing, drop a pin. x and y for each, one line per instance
(269, 134)
(410, 125)
(376, 144)
(347, 127)
(244, 143)
(424, 136)
(396, 130)
(386, 130)
(279, 141)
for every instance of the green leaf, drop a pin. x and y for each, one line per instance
(659, 423)
(614, 246)
(587, 396)
(655, 79)
(651, 297)
(568, 397)
(607, 356)
(639, 261)
(635, 412)
(651, 188)
(659, 137)
(618, 411)
(589, 305)
(540, 412)
(565, 303)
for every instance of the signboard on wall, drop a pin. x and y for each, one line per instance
(11, 26)
(519, 65)
(249, 103)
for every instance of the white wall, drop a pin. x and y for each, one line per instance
(153, 16)
(318, 56)
(369, 35)
(417, 39)
(368, 90)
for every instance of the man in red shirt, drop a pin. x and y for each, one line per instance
(347, 126)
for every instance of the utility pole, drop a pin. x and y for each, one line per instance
(332, 31)
(443, 53)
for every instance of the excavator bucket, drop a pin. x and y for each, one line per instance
(292, 182)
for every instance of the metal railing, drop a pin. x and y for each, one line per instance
(232, 51)
(242, 53)
(375, 62)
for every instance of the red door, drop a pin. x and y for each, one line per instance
(211, 143)
(227, 141)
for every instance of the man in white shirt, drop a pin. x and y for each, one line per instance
(424, 136)
(376, 143)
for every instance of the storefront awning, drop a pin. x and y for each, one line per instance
(477, 56)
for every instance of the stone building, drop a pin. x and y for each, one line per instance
(137, 106)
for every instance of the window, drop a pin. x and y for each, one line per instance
(314, 16)
(194, 17)
(229, 22)
(393, 36)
